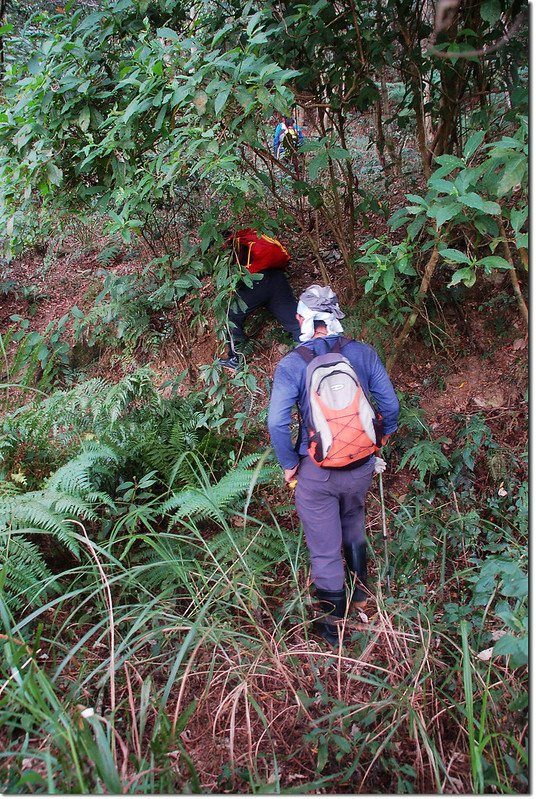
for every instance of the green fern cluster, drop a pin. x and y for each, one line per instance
(125, 461)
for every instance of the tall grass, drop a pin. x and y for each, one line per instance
(209, 681)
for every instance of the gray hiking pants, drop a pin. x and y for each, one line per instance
(331, 506)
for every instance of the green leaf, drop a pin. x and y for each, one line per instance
(466, 276)
(414, 198)
(456, 256)
(84, 118)
(473, 143)
(54, 173)
(522, 240)
(514, 174)
(494, 262)
(415, 227)
(490, 11)
(167, 33)
(473, 200)
(221, 99)
(450, 161)
(442, 213)
(518, 217)
(486, 225)
(316, 164)
(516, 648)
(388, 279)
(439, 184)
(398, 219)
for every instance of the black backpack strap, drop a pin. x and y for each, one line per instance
(307, 354)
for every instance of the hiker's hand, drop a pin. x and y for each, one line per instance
(289, 473)
(385, 439)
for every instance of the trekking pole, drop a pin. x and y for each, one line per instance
(384, 533)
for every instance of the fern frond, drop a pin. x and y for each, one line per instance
(36, 512)
(77, 475)
(24, 570)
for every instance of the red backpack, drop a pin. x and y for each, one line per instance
(262, 252)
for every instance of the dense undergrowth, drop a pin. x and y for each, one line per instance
(156, 612)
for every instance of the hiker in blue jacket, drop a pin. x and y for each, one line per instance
(330, 501)
(288, 137)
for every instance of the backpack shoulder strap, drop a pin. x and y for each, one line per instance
(306, 353)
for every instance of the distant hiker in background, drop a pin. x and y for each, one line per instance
(260, 254)
(332, 380)
(288, 138)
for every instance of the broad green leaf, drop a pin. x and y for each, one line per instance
(439, 184)
(473, 200)
(414, 198)
(253, 22)
(456, 256)
(263, 96)
(514, 174)
(415, 227)
(486, 225)
(494, 262)
(517, 218)
(466, 177)
(516, 648)
(221, 99)
(167, 33)
(466, 276)
(388, 279)
(522, 240)
(473, 143)
(34, 64)
(450, 161)
(338, 153)
(316, 164)
(490, 11)
(54, 173)
(84, 118)
(398, 219)
(405, 267)
(442, 213)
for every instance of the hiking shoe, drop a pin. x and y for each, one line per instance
(233, 363)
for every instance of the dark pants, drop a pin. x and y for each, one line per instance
(331, 506)
(272, 292)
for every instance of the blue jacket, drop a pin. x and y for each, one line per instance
(289, 390)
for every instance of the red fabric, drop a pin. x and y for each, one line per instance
(262, 252)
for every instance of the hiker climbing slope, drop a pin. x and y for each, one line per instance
(266, 256)
(332, 380)
(288, 137)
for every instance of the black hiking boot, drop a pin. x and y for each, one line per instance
(356, 560)
(333, 608)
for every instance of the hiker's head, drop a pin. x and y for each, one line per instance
(289, 122)
(318, 310)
